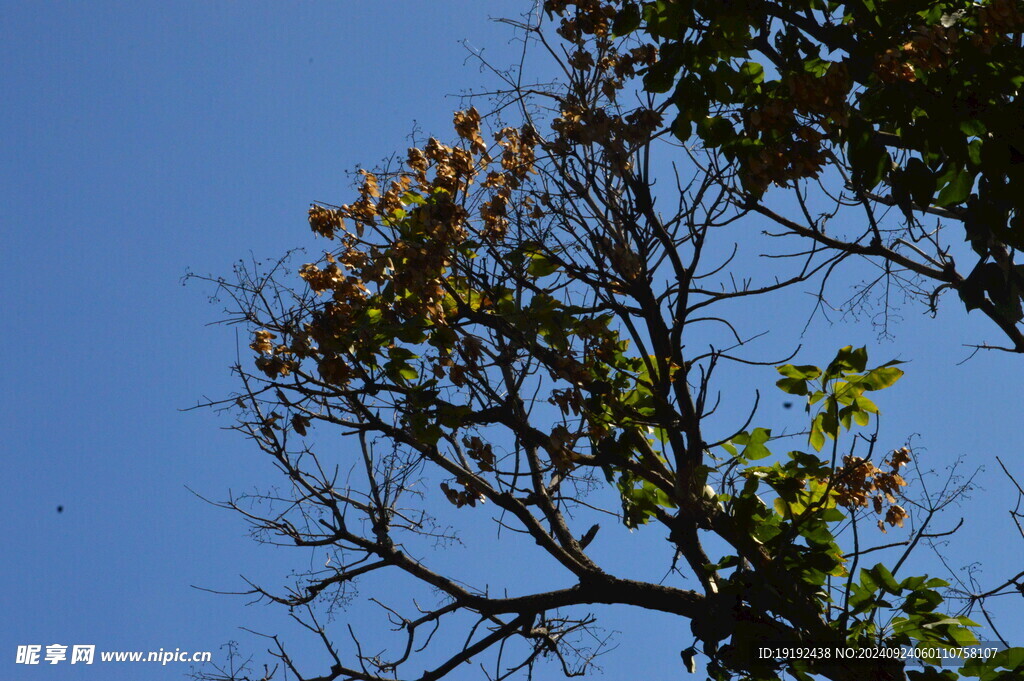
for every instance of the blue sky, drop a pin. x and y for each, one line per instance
(141, 140)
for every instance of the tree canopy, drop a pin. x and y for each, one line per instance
(915, 105)
(522, 324)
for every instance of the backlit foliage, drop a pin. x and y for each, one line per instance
(915, 104)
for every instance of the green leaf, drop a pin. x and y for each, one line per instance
(682, 127)
(715, 130)
(540, 265)
(919, 181)
(865, 404)
(957, 189)
(829, 422)
(805, 371)
(881, 575)
(627, 20)
(793, 386)
(846, 417)
(752, 71)
(972, 127)
(921, 601)
(400, 354)
(867, 154)
(755, 448)
(848, 359)
(817, 436)
(781, 507)
(880, 378)
(962, 636)
(832, 515)
(660, 77)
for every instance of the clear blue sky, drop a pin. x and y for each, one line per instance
(142, 139)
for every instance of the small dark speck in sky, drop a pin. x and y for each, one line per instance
(310, 60)
(60, 509)
(787, 405)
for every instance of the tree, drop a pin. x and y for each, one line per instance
(508, 329)
(906, 105)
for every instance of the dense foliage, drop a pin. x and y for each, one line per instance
(916, 104)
